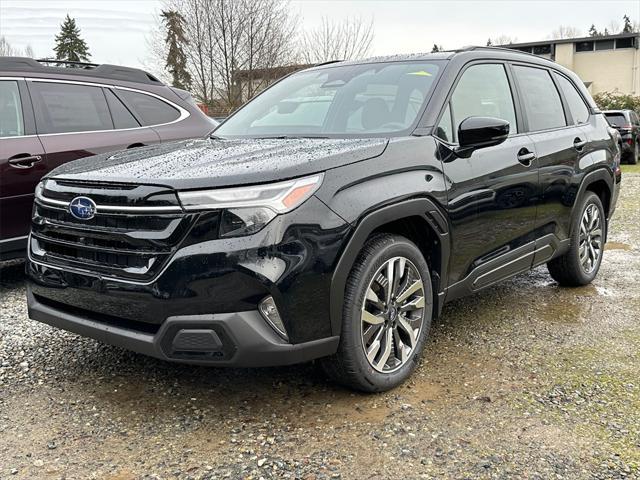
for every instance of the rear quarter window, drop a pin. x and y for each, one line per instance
(577, 107)
(149, 110)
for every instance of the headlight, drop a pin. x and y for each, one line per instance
(249, 209)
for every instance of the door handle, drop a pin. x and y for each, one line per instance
(24, 162)
(578, 143)
(525, 157)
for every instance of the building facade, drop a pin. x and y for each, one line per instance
(605, 63)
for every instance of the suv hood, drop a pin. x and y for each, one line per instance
(207, 163)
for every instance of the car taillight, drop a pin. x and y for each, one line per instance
(630, 141)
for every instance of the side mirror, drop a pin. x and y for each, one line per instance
(480, 132)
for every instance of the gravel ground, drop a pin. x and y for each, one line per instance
(524, 380)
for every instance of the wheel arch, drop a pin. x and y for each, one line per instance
(600, 182)
(407, 218)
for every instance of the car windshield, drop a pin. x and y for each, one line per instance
(616, 119)
(374, 99)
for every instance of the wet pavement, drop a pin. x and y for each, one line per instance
(523, 380)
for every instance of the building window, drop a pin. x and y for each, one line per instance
(584, 46)
(524, 49)
(604, 44)
(542, 49)
(624, 42)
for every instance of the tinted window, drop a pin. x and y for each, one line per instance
(584, 46)
(542, 49)
(11, 123)
(122, 117)
(150, 110)
(624, 42)
(578, 109)
(541, 99)
(64, 107)
(634, 118)
(604, 45)
(483, 91)
(366, 99)
(616, 119)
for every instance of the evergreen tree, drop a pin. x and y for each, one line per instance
(435, 48)
(593, 31)
(628, 27)
(176, 58)
(489, 43)
(69, 45)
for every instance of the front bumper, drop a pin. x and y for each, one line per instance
(211, 284)
(240, 339)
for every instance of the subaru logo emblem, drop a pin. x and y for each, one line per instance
(82, 208)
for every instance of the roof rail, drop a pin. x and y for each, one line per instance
(57, 63)
(471, 48)
(113, 72)
(328, 62)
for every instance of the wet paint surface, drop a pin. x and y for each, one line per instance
(210, 163)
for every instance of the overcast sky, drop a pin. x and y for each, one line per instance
(117, 30)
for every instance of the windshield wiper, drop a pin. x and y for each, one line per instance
(289, 137)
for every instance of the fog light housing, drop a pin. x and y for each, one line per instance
(270, 313)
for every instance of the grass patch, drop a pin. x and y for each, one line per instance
(630, 168)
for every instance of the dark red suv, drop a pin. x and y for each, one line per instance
(50, 115)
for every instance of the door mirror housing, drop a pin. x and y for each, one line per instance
(480, 132)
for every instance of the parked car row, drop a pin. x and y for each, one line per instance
(50, 115)
(627, 123)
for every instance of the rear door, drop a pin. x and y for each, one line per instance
(76, 119)
(22, 163)
(493, 193)
(560, 145)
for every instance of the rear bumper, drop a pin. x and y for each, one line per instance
(240, 339)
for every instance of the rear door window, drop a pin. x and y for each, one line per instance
(543, 107)
(122, 117)
(577, 107)
(149, 110)
(11, 121)
(66, 107)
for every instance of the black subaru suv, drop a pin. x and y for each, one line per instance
(332, 216)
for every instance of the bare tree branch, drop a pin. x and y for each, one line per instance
(347, 40)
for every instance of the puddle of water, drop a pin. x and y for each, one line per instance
(617, 246)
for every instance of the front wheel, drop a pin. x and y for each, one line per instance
(580, 265)
(386, 316)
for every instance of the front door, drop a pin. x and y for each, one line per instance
(22, 164)
(493, 194)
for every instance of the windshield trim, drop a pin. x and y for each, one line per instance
(441, 62)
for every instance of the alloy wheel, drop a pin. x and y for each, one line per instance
(392, 315)
(590, 242)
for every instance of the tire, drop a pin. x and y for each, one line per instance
(569, 269)
(368, 317)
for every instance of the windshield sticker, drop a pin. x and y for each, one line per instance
(421, 73)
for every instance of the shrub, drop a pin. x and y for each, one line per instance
(617, 101)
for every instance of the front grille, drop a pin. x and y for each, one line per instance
(132, 244)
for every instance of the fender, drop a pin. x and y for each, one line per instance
(419, 207)
(590, 178)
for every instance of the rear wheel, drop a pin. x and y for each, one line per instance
(386, 316)
(581, 263)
